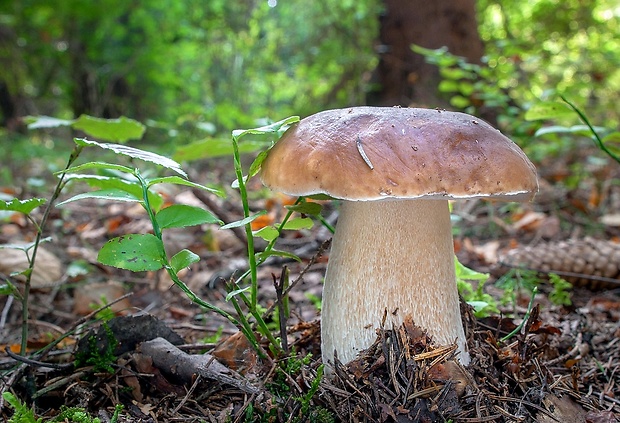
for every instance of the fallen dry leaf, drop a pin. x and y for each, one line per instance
(92, 295)
(48, 269)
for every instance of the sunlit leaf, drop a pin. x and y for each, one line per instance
(104, 194)
(116, 183)
(119, 130)
(182, 215)
(257, 163)
(548, 110)
(245, 221)
(272, 128)
(236, 292)
(21, 206)
(265, 254)
(614, 137)
(38, 122)
(582, 130)
(465, 273)
(308, 207)
(459, 101)
(298, 224)
(97, 165)
(135, 252)
(268, 233)
(447, 86)
(176, 180)
(183, 259)
(215, 147)
(135, 153)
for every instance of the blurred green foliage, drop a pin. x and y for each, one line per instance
(192, 70)
(220, 63)
(539, 49)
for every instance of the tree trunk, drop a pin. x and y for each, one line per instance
(404, 78)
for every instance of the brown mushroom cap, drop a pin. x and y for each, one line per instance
(413, 153)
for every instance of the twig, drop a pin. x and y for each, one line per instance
(35, 363)
(239, 232)
(172, 360)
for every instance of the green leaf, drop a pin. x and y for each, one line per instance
(8, 289)
(455, 74)
(265, 254)
(268, 233)
(582, 130)
(298, 223)
(38, 122)
(96, 165)
(135, 153)
(307, 207)
(612, 143)
(478, 306)
(117, 183)
(183, 259)
(176, 180)
(257, 163)
(216, 147)
(135, 252)
(26, 246)
(447, 86)
(236, 292)
(614, 138)
(548, 110)
(181, 215)
(119, 130)
(465, 273)
(459, 101)
(104, 194)
(245, 221)
(274, 127)
(21, 206)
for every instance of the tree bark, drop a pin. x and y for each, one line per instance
(404, 78)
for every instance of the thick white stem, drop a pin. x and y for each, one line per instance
(394, 255)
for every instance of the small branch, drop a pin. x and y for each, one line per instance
(205, 198)
(185, 367)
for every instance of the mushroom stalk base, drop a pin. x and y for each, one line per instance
(396, 256)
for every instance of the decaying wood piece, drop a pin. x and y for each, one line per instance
(185, 367)
(585, 262)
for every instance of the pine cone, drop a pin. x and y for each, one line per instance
(588, 262)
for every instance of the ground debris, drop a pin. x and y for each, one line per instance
(404, 377)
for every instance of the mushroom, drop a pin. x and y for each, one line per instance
(395, 169)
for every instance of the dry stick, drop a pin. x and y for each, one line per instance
(172, 360)
(186, 397)
(239, 232)
(35, 363)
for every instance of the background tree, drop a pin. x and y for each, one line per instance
(404, 77)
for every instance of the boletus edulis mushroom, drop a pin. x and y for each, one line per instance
(395, 170)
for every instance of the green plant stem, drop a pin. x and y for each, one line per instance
(32, 259)
(598, 141)
(248, 227)
(325, 223)
(527, 316)
(255, 313)
(242, 323)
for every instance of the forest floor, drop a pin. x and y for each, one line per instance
(167, 360)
